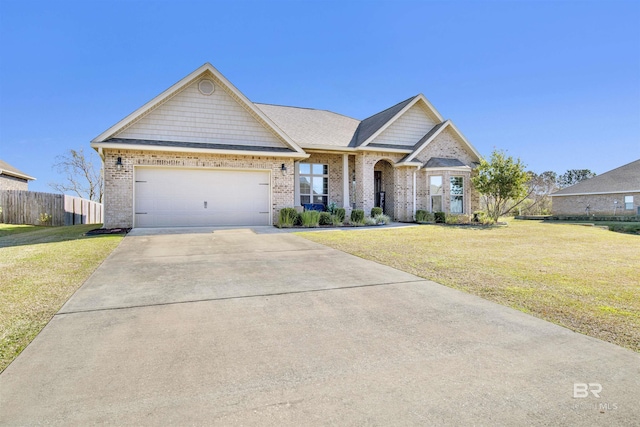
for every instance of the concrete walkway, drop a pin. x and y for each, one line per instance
(232, 327)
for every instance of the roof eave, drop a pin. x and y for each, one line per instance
(100, 146)
(595, 193)
(448, 168)
(407, 164)
(384, 149)
(16, 175)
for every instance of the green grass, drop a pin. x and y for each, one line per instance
(40, 268)
(619, 226)
(583, 278)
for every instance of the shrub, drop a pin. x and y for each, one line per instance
(310, 218)
(45, 219)
(370, 221)
(376, 211)
(340, 214)
(423, 216)
(331, 208)
(357, 216)
(439, 217)
(451, 219)
(325, 219)
(298, 220)
(382, 219)
(287, 217)
(335, 220)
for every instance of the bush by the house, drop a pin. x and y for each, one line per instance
(335, 220)
(456, 219)
(310, 218)
(370, 221)
(298, 221)
(287, 217)
(357, 217)
(382, 219)
(325, 219)
(340, 214)
(331, 208)
(423, 217)
(439, 217)
(376, 211)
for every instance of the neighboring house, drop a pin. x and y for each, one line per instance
(616, 192)
(12, 178)
(201, 153)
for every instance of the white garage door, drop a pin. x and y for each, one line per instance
(195, 198)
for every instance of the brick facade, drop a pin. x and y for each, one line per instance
(118, 191)
(598, 204)
(8, 182)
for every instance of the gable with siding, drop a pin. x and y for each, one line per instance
(190, 116)
(448, 145)
(408, 128)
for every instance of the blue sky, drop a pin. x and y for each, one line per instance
(554, 83)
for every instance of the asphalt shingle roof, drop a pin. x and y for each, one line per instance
(372, 124)
(440, 162)
(620, 180)
(309, 127)
(7, 169)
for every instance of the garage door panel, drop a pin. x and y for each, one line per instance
(176, 197)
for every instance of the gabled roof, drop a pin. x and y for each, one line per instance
(432, 134)
(373, 126)
(7, 169)
(440, 162)
(167, 94)
(625, 179)
(312, 128)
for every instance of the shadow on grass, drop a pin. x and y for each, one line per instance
(32, 235)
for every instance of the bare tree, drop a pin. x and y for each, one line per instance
(539, 189)
(81, 176)
(574, 176)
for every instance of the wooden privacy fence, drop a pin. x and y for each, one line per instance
(30, 207)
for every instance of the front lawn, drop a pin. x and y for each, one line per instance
(40, 268)
(584, 278)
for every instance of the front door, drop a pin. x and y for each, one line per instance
(377, 186)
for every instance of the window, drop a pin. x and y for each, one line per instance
(314, 183)
(435, 191)
(628, 202)
(457, 194)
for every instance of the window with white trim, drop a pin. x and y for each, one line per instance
(435, 193)
(457, 194)
(628, 202)
(314, 183)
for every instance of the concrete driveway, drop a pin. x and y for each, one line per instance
(237, 328)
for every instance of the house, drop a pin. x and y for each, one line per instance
(12, 178)
(201, 153)
(616, 192)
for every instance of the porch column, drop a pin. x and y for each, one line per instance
(345, 181)
(296, 184)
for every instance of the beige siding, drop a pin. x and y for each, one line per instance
(409, 128)
(190, 116)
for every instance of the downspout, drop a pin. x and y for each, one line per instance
(414, 193)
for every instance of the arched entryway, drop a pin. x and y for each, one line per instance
(383, 186)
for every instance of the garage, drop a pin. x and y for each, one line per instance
(173, 197)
